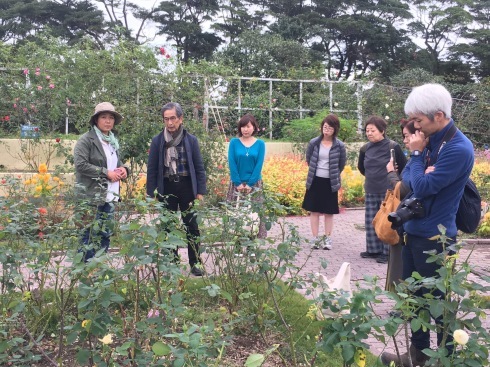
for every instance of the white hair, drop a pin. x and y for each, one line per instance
(429, 99)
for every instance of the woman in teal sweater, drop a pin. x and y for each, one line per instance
(245, 160)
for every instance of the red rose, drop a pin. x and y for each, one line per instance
(43, 211)
(7, 118)
(162, 51)
(58, 140)
(36, 129)
(167, 56)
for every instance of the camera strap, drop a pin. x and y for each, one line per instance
(448, 136)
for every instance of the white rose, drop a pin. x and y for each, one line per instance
(106, 339)
(461, 337)
(335, 104)
(387, 118)
(387, 105)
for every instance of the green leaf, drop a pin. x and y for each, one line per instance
(4, 346)
(348, 352)
(83, 356)
(415, 324)
(226, 296)
(255, 360)
(160, 349)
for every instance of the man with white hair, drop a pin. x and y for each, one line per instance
(440, 165)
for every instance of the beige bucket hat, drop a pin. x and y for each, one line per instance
(105, 107)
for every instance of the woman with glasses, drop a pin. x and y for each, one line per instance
(326, 157)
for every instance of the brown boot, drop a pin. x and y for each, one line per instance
(418, 358)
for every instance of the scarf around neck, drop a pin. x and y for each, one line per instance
(111, 138)
(171, 154)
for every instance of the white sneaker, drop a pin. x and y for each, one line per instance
(315, 243)
(327, 243)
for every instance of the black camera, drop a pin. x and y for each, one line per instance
(409, 209)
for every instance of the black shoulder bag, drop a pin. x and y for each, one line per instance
(469, 210)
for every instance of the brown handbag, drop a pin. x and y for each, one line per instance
(381, 224)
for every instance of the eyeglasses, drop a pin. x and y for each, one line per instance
(170, 119)
(327, 127)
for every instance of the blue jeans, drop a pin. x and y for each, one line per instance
(414, 259)
(98, 235)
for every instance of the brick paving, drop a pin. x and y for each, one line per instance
(348, 241)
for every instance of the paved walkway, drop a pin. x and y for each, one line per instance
(348, 241)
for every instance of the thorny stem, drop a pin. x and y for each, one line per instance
(33, 341)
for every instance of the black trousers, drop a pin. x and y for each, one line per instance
(179, 195)
(414, 259)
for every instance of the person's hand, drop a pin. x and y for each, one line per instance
(113, 176)
(121, 171)
(247, 189)
(199, 197)
(417, 141)
(240, 188)
(430, 169)
(390, 167)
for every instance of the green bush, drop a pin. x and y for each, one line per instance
(303, 130)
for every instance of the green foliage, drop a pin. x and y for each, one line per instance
(349, 330)
(303, 130)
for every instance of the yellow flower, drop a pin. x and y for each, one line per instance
(49, 187)
(39, 188)
(43, 168)
(56, 179)
(461, 337)
(86, 323)
(106, 339)
(360, 358)
(27, 182)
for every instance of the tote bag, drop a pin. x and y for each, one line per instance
(381, 224)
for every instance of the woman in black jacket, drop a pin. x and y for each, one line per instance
(326, 157)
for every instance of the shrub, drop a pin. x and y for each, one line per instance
(286, 176)
(302, 130)
(352, 190)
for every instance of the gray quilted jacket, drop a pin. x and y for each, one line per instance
(338, 158)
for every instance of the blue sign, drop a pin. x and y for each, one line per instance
(29, 132)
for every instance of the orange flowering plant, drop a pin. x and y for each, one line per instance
(43, 183)
(352, 191)
(286, 176)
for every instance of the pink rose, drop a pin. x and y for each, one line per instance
(48, 77)
(26, 71)
(51, 86)
(39, 87)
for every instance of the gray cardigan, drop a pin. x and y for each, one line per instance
(338, 159)
(91, 167)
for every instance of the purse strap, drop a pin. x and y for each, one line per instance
(396, 190)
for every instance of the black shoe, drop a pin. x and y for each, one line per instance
(382, 259)
(196, 271)
(395, 313)
(370, 255)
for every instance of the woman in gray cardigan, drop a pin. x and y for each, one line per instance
(326, 157)
(98, 172)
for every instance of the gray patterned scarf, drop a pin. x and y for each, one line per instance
(171, 154)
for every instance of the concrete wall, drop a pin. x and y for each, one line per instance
(14, 153)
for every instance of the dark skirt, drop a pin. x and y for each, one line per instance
(319, 198)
